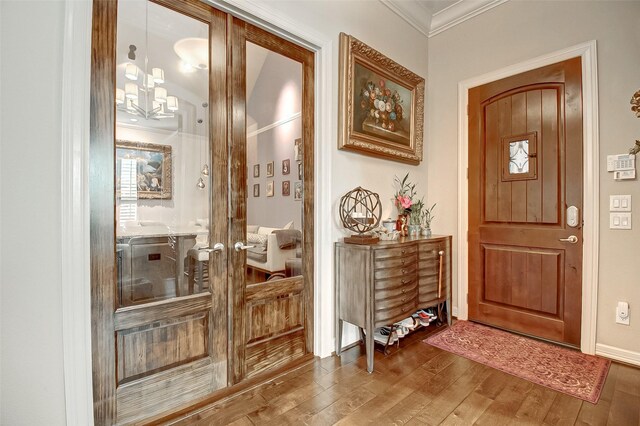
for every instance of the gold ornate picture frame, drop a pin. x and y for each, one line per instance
(152, 171)
(381, 104)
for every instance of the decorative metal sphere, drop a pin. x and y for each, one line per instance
(360, 210)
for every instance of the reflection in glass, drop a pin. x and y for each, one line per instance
(162, 132)
(519, 157)
(274, 204)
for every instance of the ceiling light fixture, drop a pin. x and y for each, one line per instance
(153, 103)
(194, 53)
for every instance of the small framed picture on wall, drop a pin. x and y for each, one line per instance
(270, 169)
(256, 170)
(286, 166)
(286, 188)
(270, 188)
(299, 171)
(297, 149)
(297, 191)
(256, 190)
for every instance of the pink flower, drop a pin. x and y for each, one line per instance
(406, 202)
(381, 83)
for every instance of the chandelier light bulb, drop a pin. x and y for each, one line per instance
(161, 94)
(131, 72)
(158, 75)
(172, 103)
(205, 170)
(200, 184)
(119, 96)
(149, 82)
(131, 90)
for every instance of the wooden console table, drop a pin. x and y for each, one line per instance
(380, 284)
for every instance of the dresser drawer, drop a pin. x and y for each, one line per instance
(384, 284)
(407, 289)
(430, 252)
(408, 272)
(396, 262)
(397, 299)
(385, 253)
(390, 315)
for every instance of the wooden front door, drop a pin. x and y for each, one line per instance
(525, 203)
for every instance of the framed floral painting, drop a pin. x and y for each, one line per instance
(381, 104)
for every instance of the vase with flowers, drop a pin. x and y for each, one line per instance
(415, 218)
(403, 200)
(426, 217)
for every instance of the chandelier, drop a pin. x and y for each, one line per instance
(143, 94)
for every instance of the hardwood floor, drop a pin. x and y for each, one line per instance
(419, 385)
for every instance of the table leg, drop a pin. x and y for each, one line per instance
(369, 347)
(338, 336)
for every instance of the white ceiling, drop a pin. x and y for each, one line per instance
(431, 17)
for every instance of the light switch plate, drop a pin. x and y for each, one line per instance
(619, 220)
(619, 203)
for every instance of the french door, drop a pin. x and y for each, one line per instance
(201, 159)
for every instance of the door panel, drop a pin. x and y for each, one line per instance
(272, 146)
(523, 278)
(169, 319)
(525, 169)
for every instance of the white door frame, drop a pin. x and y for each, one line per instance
(591, 191)
(75, 240)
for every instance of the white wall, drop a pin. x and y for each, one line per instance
(517, 31)
(31, 381)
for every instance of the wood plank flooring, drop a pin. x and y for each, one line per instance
(419, 384)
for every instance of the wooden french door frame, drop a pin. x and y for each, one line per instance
(101, 188)
(587, 51)
(242, 32)
(107, 317)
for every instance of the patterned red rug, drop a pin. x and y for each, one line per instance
(561, 369)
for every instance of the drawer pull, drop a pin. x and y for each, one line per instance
(403, 261)
(404, 309)
(403, 251)
(403, 271)
(403, 300)
(403, 290)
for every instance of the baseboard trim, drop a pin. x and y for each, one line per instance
(618, 354)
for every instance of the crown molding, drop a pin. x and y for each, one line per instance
(458, 13)
(412, 12)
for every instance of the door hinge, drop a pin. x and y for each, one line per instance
(467, 298)
(467, 109)
(467, 173)
(467, 236)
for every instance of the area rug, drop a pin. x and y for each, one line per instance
(557, 368)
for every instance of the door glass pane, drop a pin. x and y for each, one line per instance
(274, 163)
(162, 151)
(519, 157)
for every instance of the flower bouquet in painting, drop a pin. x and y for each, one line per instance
(382, 110)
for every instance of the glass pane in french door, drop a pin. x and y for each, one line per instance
(162, 153)
(274, 162)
